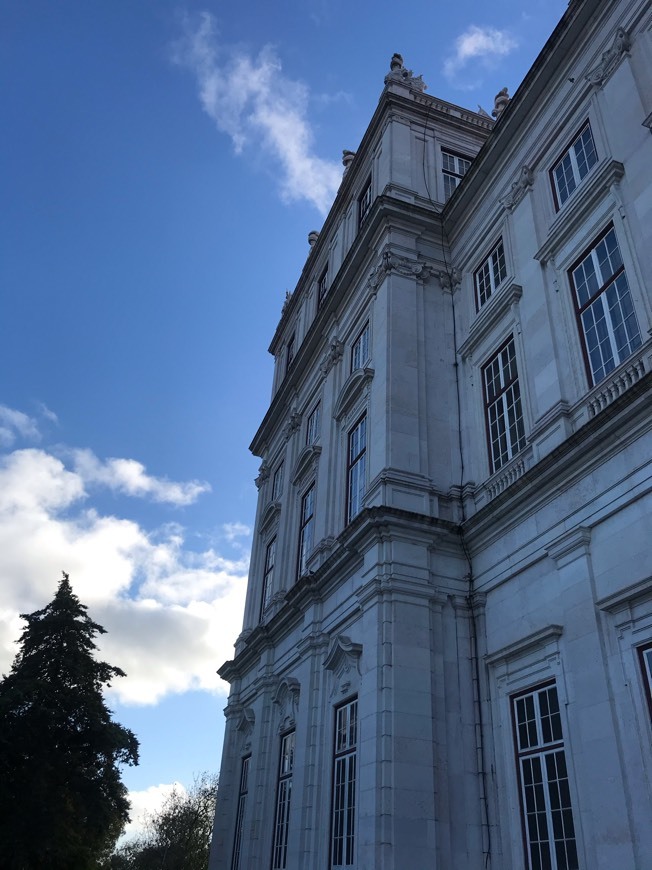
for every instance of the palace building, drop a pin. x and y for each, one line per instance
(446, 657)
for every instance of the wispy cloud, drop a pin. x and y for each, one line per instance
(255, 104)
(14, 424)
(484, 45)
(129, 477)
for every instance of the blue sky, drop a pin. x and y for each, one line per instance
(161, 167)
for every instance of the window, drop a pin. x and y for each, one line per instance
(277, 483)
(574, 165)
(454, 168)
(312, 427)
(356, 470)
(545, 794)
(645, 656)
(490, 275)
(322, 287)
(360, 349)
(503, 406)
(242, 801)
(268, 575)
(603, 303)
(289, 353)
(344, 782)
(283, 795)
(306, 530)
(364, 203)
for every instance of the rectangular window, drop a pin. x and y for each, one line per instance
(503, 406)
(360, 349)
(289, 354)
(239, 819)
(645, 657)
(364, 203)
(357, 467)
(490, 275)
(306, 529)
(322, 287)
(277, 483)
(573, 166)
(545, 794)
(268, 575)
(455, 168)
(312, 426)
(344, 785)
(603, 303)
(283, 795)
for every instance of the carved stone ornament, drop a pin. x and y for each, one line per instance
(287, 700)
(398, 73)
(610, 58)
(343, 660)
(286, 302)
(263, 475)
(313, 235)
(333, 355)
(401, 265)
(518, 189)
(450, 279)
(245, 726)
(347, 159)
(501, 101)
(293, 423)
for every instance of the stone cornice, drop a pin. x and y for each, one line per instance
(504, 300)
(542, 637)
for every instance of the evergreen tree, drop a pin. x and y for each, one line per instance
(62, 802)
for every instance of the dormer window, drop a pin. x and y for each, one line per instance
(455, 167)
(364, 203)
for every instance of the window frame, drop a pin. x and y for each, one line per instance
(448, 173)
(590, 252)
(482, 297)
(352, 464)
(344, 788)
(280, 835)
(268, 575)
(577, 177)
(306, 529)
(322, 287)
(645, 662)
(364, 202)
(496, 463)
(313, 425)
(361, 341)
(541, 750)
(277, 482)
(289, 353)
(243, 791)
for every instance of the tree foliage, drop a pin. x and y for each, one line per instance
(62, 801)
(178, 836)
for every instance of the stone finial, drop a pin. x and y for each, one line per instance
(347, 159)
(500, 103)
(313, 235)
(398, 73)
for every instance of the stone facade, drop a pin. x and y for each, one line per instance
(446, 657)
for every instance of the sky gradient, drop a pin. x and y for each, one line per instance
(162, 165)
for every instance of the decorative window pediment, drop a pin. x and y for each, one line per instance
(270, 515)
(343, 660)
(355, 385)
(490, 317)
(306, 462)
(245, 726)
(287, 701)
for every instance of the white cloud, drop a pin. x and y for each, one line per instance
(254, 103)
(147, 803)
(129, 477)
(479, 44)
(15, 424)
(172, 614)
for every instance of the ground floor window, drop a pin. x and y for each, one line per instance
(283, 795)
(344, 785)
(239, 819)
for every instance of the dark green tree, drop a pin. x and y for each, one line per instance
(62, 802)
(178, 836)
